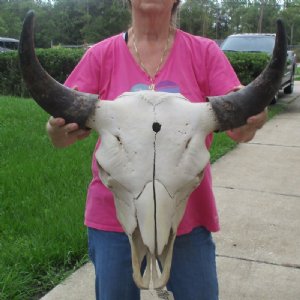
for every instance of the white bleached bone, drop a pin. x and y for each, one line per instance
(152, 156)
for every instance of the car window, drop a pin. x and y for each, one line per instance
(9, 44)
(249, 44)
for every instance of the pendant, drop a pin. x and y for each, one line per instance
(152, 86)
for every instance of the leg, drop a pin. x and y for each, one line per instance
(111, 256)
(193, 272)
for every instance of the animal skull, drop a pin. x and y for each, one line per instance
(139, 136)
(153, 152)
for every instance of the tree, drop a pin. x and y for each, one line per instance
(79, 21)
(106, 19)
(291, 17)
(199, 17)
(235, 10)
(88, 21)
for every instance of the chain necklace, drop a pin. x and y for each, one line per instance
(152, 85)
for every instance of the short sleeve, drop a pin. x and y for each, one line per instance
(221, 76)
(86, 75)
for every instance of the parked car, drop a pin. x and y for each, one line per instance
(262, 42)
(8, 44)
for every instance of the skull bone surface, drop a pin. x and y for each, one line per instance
(152, 156)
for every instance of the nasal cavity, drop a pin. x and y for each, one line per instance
(156, 127)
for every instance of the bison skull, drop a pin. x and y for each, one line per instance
(151, 157)
(153, 149)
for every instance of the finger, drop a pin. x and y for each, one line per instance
(235, 134)
(71, 127)
(249, 137)
(56, 122)
(256, 122)
(83, 134)
(77, 134)
(259, 120)
(237, 88)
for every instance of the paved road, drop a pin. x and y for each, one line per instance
(257, 187)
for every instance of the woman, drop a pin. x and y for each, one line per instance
(153, 55)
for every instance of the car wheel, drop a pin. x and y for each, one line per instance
(275, 99)
(290, 88)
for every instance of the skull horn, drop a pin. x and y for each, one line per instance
(53, 97)
(234, 109)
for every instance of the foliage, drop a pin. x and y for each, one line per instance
(59, 62)
(291, 16)
(77, 22)
(67, 22)
(10, 76)
(197, 17)
(105, 20)
(217, 19)
(247, 65)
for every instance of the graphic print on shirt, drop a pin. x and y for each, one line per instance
(163, 86)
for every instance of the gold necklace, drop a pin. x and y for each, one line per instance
(152, 85)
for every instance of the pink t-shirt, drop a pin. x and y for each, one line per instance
(196, 68)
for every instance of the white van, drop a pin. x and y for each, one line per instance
(8, 44)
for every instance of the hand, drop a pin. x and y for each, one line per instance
(62, 134)
(247, 132)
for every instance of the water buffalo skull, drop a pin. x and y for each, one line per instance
(153, 151)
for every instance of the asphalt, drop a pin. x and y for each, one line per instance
(257, 187)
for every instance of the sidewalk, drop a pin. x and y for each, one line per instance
(257, 188)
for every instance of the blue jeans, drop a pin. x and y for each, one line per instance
(193, 272)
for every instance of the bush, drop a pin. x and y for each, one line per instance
(297, 52)
(10, 77)
(247, 65)
(59, 62)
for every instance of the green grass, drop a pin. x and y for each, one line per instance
(43, 190)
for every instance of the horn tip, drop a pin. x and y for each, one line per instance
(30, 13)
(280, 27)
(28, 23)
(29, 17)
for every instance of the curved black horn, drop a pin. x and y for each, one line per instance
(53, 97)
(234, 109)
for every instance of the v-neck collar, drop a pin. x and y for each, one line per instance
(140, 69)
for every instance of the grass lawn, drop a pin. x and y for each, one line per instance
(43, 190)
(42, 202)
